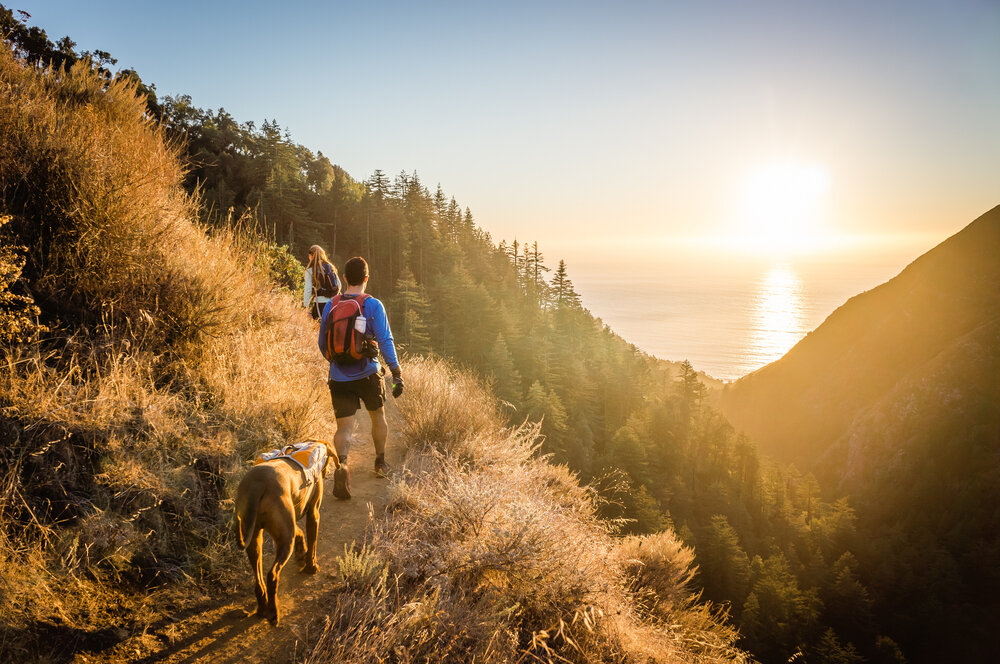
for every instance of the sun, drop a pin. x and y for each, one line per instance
(783, 205)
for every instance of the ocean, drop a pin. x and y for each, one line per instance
(728, 316)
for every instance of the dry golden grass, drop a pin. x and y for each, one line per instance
(491, 554)
(171, 359)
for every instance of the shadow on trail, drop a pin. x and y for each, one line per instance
(230, 625)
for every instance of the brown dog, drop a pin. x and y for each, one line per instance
(272, 497)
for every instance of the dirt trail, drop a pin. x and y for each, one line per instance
(218, 630)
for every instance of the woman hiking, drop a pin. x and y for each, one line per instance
(322, 282)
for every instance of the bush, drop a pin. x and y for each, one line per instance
(282, 267)
(18, 313)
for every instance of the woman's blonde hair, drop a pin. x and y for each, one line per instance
(317, 257)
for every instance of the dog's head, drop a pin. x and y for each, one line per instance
(331, 455)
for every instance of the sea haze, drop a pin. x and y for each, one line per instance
(727, 315)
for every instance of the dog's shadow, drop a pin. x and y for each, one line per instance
(231, 625)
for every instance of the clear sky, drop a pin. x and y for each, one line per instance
(590, 123)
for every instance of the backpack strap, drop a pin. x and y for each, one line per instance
(334, 301)
(359, 298)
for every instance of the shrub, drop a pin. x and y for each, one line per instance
(18, 313)
(281, 266)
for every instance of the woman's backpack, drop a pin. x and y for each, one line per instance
(346, 339)
(326, 281)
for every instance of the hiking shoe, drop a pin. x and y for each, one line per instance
(382, 469)
(342, 482)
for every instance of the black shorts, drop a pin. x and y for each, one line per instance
(347, 396)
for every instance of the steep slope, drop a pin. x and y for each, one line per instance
(489, 553)
(922, 465)
(211, 626)
(895, 402)
(798, 406)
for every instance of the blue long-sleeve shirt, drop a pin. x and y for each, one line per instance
(378, 326)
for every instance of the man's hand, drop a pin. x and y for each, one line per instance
(397, 383)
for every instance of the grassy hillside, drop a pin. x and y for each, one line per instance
(921, 465)
(168, 358)
(162, 357)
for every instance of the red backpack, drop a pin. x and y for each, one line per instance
(344, 343)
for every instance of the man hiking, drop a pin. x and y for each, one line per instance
(348, 326)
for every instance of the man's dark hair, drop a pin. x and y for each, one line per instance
(355, 271)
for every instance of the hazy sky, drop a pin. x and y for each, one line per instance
(592, 122)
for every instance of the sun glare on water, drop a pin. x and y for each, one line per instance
(782, 207)
(778, 319)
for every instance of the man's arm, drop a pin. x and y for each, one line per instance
(379, 322)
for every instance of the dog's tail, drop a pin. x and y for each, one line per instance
(246, 520)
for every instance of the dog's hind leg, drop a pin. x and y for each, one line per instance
(257, 567)
(284, 540)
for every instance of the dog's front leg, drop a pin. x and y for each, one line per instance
(312, 534)
(300, 544)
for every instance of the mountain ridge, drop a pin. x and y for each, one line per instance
(799, 405)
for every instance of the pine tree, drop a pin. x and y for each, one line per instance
(563, 295)
(378, 185)
(627, 449)
(281, 198)
(830, 650)
(724, 568)
(506, 379)
(515, 260)
(538, 287)
(546, 407)
(411, 308)
(847, 602)
(786, 614)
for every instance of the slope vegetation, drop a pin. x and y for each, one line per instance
(489, 553)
